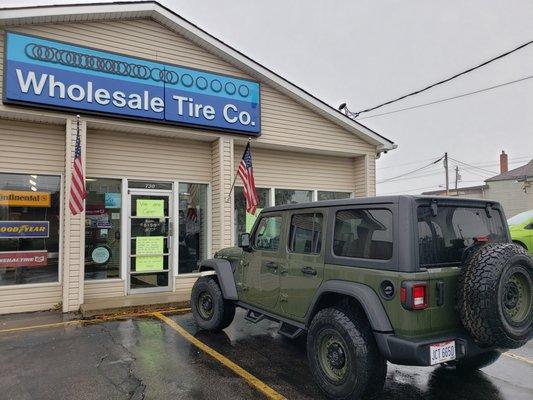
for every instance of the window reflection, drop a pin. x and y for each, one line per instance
(192, 226)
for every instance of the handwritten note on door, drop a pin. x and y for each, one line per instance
(150, 208)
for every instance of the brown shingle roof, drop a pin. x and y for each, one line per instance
(520, 172)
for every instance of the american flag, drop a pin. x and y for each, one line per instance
(246, 172)
(77, 187)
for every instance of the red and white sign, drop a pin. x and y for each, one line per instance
(15, 259)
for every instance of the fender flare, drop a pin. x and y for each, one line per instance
(224, 272)
(364, 294)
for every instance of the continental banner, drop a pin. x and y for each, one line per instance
(16, 198)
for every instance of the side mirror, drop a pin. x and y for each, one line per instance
(244, 242)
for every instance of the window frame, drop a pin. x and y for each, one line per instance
(323, 225)
(390, 264)
(256, 227)
(61, 245)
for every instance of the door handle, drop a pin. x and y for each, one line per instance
(272, 265)
(308, 271)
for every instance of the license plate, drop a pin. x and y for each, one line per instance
(442, 352)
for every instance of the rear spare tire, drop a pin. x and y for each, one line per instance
(495, 295)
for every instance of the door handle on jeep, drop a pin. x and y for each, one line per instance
(308, 271)
(271, 265)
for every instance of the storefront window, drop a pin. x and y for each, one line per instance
(192, 226)
(325, 195)
(243, 220)
(29, 228)
(287, 196)
(103, 217)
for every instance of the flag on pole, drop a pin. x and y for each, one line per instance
(77, 187)
(246, 172)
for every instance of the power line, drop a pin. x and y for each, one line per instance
(447, 98)
(412, 172)
(473, 166)
(355, 115)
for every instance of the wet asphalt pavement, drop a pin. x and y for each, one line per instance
(144, 358)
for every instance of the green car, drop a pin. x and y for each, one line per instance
(521, 228)
(412, 280)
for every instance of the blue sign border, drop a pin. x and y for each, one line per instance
(108, 114)
(10, 235)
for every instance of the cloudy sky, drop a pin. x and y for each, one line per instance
(367, 52)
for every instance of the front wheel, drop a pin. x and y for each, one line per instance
(343, 355)
(209, 309)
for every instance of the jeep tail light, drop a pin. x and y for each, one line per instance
(414, 295)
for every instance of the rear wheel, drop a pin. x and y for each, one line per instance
(209, 309)
(343, 355)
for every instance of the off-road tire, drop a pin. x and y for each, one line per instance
(487, 274)
(221, 313)
(477, 362)
(366, 369)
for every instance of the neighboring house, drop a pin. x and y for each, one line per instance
(513, 189)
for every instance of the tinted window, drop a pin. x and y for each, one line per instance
(306, 233)
(268, 233)
(363, 234)
(444, 237)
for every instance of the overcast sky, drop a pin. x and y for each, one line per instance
(367, 52)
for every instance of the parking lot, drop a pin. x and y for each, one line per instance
(164, 356)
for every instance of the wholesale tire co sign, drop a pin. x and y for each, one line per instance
(60, 75)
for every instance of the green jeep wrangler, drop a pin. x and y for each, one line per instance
(412, 280)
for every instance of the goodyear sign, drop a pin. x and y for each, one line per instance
(16, 198)
(24, 229)
(60, 75)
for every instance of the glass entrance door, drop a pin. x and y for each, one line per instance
(150, 241)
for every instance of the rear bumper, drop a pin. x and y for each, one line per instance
(416, 351)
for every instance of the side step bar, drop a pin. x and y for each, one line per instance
(290, 331)
(254, 316)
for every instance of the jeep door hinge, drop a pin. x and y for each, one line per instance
(242, 286)
(283, 297)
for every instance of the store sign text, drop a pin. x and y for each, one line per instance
(19, 198)
(50, 73)
(24, 229)
(16, 259)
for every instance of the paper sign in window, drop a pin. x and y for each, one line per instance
(250, 219)
(146, 249)
(150, 208)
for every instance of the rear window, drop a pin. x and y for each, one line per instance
(363, 233)
(443, 238)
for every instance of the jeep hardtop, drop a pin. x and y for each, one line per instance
(413, 280)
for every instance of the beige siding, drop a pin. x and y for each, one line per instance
(149, 157)
(74, 227)
(222, 209)
(27, 147)
(365, 176)
(26, 299)
(511, 196)
(103, 289)
(184, 285)
(30, 148)
(294, 170)
(284, 121)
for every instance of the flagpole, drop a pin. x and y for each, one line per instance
(228, 199)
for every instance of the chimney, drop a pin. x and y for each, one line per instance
(504, 162)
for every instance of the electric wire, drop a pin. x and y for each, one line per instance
(413, 171)
(473, 166)
(355, 115)
(446, 98)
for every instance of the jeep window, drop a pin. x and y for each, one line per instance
(267, 233)
(363, 234)
(443, 238)
(306, 233)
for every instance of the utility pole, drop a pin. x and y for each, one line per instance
(447, 174)
(457, 177)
